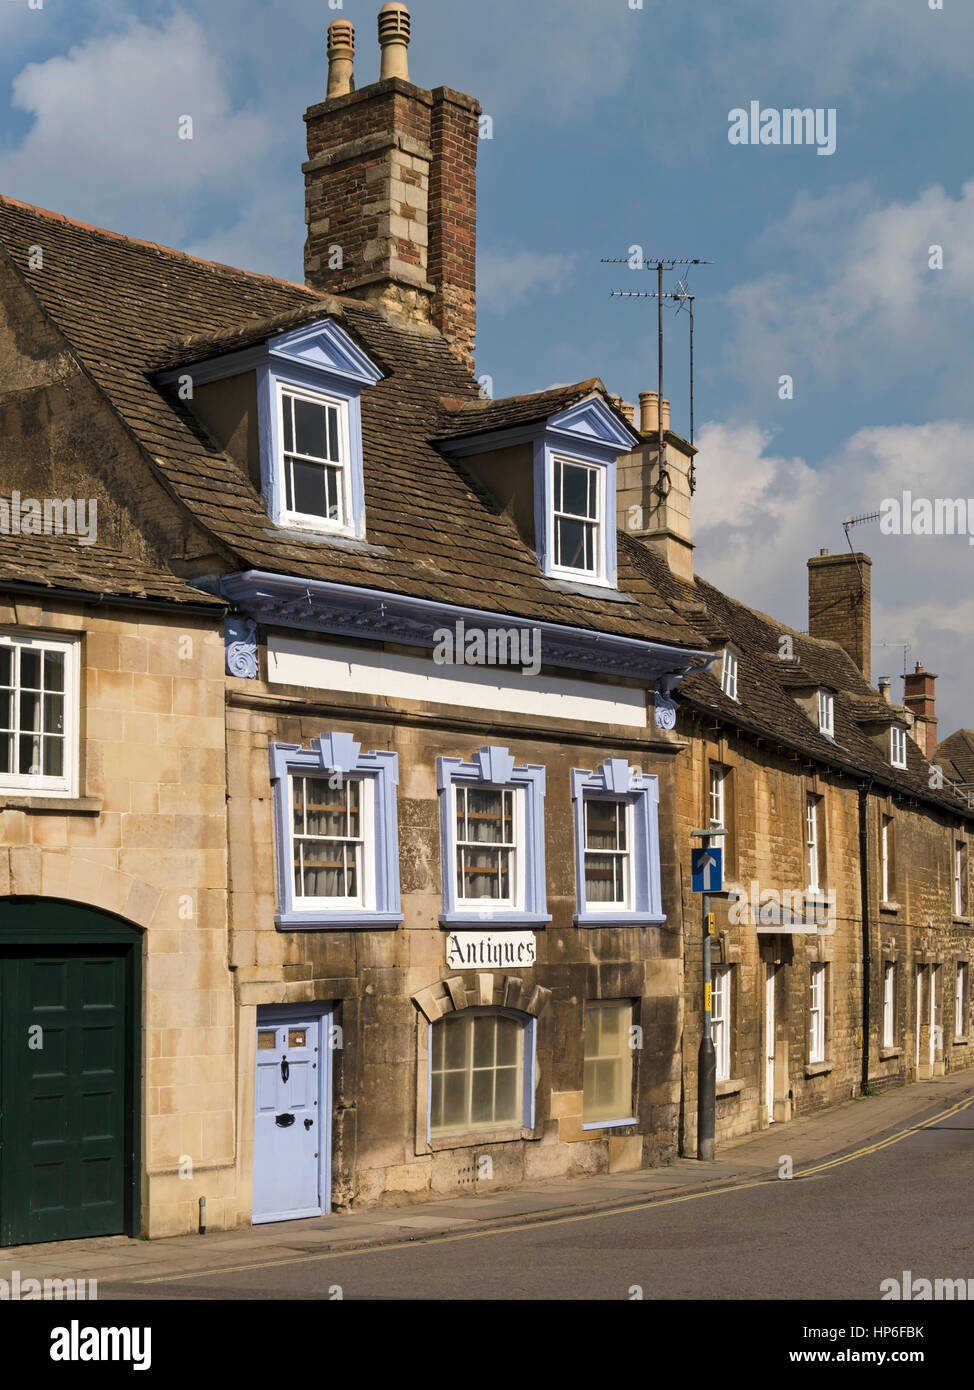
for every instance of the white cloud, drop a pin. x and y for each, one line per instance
(846, 51)
(506, 278)
(104, 144)
(758, 517)
(862, 302)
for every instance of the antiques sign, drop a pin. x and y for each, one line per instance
(493, 950)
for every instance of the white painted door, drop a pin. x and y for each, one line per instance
(919, 1011)
(292, 1119)
(769, 1028)
(933, 1031)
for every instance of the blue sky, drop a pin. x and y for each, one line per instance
(610, 128)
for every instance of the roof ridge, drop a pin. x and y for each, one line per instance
(151, 245)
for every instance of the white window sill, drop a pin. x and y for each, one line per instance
(608, 1124)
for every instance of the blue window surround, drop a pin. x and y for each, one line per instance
(529, 1028)
(588, 432)
(329, 753)
(617, 779)
(319, 357)
(494, 767)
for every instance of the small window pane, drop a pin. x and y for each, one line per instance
(6, 709)
(53, 757)
(54, 714)
(455, 1045)
(297, 1037)
(30, 711)
(53, 670)
(310, 429)
(30, 669)
(6, 666)
(30, 755)
(576, 493)
(266, 1039)
(483, 1042)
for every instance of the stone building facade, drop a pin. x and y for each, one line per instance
(838, 812)
(373, 840)
(117, 1068)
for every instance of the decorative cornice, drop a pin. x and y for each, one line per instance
(277, 600)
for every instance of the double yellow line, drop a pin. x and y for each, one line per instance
(564, 1220)
(889, 1140)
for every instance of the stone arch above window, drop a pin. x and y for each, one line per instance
(486, 990)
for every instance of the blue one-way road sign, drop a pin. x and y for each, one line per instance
(707, 868)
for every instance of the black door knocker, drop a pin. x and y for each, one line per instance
(284, 1120)
(285, 1069)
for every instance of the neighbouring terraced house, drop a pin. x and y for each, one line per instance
(347, 774)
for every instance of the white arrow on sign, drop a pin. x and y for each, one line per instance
(707, 865)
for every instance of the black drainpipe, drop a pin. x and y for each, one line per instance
(864, 789)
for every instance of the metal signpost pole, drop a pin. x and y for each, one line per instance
(707, 1056)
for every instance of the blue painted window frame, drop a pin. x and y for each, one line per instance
(547, 452)
(617, 780)
(330, 753)
(272, 379)
(493, 766)
(529, 1028)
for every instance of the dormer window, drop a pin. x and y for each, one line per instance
(728, 674)
(314, 457)
(826, 713)
(552, 468)
(578, 494)
(898, 747)
(305, 388)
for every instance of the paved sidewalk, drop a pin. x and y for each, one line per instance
(839, 1130)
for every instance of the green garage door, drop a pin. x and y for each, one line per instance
(67, 1067)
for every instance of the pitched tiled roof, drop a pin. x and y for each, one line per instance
(459, 418)
(955, 755)
(125, 307)
(59, 562)
(766, 704)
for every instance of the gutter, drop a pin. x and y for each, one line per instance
(94, 599)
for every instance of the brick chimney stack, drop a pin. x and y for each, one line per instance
(918, 696)
(839, 603)
(391, 189)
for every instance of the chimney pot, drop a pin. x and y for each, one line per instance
(884, 689)
(628, 410)
(824, 550)
(341, 58)
(394, 41)
(665, 408)
(649, 412)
